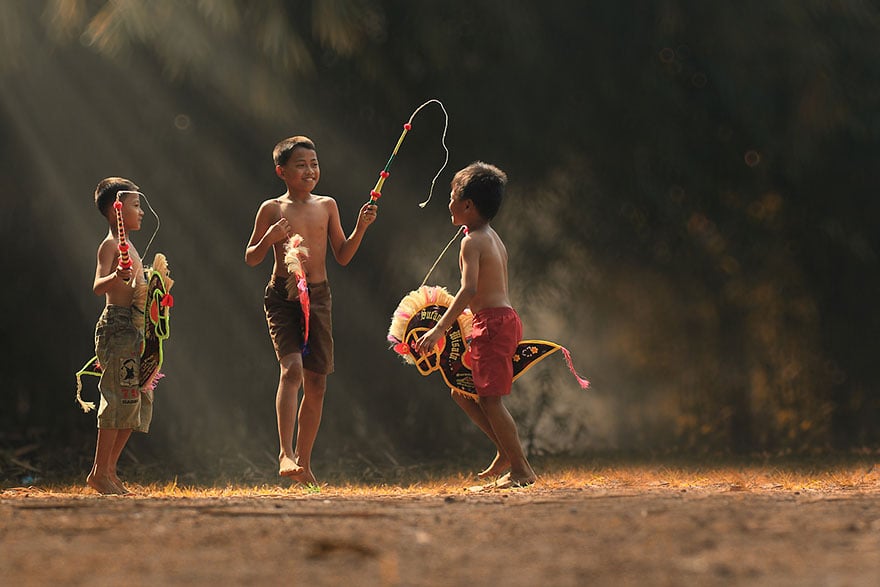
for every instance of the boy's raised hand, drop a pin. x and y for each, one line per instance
(367, 214)
(124, 273)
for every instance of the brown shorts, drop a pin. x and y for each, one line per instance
(496, 334)
(285, 321)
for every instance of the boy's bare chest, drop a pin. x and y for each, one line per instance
(308, 220)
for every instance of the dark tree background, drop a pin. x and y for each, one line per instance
(692, 211)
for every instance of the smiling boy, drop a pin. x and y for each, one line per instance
(316, 219)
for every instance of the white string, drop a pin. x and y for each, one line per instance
(158, 222)
(446, 248)
(442, 141)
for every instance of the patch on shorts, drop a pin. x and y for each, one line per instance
(129, 373)
(129, 396)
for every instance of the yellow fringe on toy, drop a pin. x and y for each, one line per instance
(413, 302)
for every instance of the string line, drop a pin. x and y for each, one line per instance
(446, 248)
(376, 192)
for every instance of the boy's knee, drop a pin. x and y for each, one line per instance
(314, 383)
(291, 371)
(490, 402)
(459, 398)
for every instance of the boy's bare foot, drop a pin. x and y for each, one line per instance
(289, 468)
(103, 485)
(508, 481)
(123, 490)
(498, 466)
(305, 477)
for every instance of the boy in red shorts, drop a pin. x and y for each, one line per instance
(477, 191)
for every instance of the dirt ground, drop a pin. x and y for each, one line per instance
(558, 533)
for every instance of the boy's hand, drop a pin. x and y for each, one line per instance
(367, 214)
(124, 273)
(428, 342)
(280, 231)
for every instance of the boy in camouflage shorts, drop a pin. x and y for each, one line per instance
(117, 337)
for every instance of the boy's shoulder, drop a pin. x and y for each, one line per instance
(109, 240)
(483, 234)
(285, 199)
(107, 245)
(485, 240)
(324, 202)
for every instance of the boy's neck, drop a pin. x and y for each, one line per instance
(476, 225)
(297, 196)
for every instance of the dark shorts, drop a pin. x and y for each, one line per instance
(496, 334)
(285, 320)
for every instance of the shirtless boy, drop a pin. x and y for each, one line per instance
(117, 338)
(316, 219)
(477, 192)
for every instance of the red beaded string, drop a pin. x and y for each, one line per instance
(124, 258)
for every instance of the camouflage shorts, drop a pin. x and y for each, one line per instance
(118, 347)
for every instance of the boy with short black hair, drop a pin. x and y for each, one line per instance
(476, 196)
(316, 219)
(117, 338)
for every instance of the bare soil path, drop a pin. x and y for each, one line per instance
(557, 533)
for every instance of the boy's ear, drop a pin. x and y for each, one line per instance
(279, 171)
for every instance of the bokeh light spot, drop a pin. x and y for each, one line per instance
(182, 122)
(752, 158)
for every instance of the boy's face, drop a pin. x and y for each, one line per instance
(301, 172)
(457, 207)
(132, 213)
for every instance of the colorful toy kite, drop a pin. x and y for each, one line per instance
(421, 309)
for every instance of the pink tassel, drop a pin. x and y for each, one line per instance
(154, 380)
(581, 381)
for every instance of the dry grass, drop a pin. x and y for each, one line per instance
(824, 475)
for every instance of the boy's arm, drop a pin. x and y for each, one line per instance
(108, 271)
(266, 233)
(345, 248)
(470, 273)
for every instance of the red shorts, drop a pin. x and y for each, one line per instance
(496, 334)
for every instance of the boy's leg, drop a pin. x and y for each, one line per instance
(99, 477)
(508, 438)
(289, 382)
(310, 410)
(122, 437)
(501, 463)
